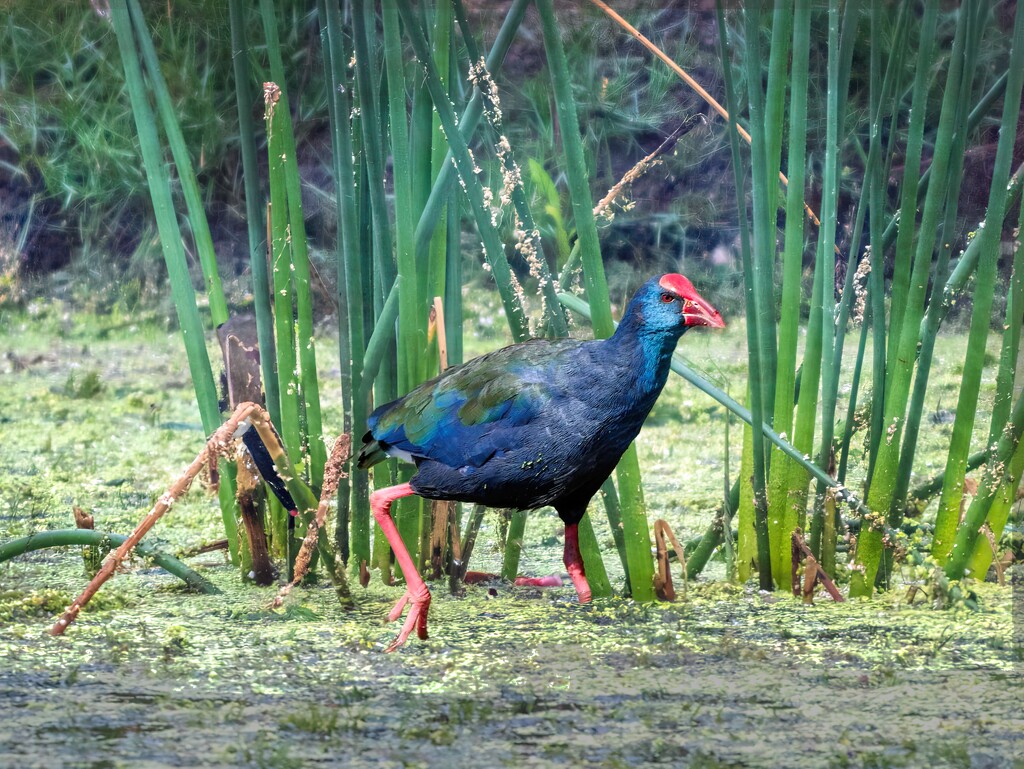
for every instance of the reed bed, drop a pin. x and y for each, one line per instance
(414, 112)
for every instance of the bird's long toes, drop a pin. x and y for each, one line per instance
(416, 619)
(552, 580)
(579, 581)
(411, 622)
(398, 608)
(402, 636)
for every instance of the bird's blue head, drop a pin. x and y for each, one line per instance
(669, 305)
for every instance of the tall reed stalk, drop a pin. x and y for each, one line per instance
(1006, 469)
(885, 476)
(1008, 381)
(352, 526)
(833, 333)
(182, 291)
(948, 515)
(754, 291)
(783, 514)
(254, 209)
(313, 445)
(633, 510)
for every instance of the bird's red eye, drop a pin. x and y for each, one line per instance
(666, 298)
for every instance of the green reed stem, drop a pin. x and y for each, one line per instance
(255, 211)
(182, 292)
(826, 250)
(634, 517)
(885, 476)
(753, 273)
(305, 344)
(935, 312)
(513, 545)
(92, 538)
(781, 514)
(183, 164)
(948, 516)
(352, 532)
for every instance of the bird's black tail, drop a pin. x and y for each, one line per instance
(265, 464)
(371, 453)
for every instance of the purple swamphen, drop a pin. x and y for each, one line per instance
(534, 424)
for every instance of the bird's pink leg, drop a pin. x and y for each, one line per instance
(416, 591)
(574, 562)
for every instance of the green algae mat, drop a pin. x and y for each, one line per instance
(99, 414)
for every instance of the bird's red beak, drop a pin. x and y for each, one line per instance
(696, 310)
(699, 313)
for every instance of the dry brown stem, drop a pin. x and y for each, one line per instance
(220, 443)
(801, 551)
(684, 75)
(248, 481)
(333, 473)
(441, 512)
(811, 570)
(82, 519)
(643, 166)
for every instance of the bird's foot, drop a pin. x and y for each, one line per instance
(579, 581)
(552, 580)
(416, 618)
(476, 577)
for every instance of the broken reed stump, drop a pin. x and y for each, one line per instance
(813, 573)
(239, 345)
(440, 514)
(82, 519)
(663, 586)
(92, 555)
(240, 348)
(253, 519)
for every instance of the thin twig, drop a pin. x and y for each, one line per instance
(999, 562)
(572, 263)
(644, 165)
(646, 42)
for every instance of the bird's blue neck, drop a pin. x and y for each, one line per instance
(646, 349)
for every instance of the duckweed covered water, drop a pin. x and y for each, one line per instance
(152, 675)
